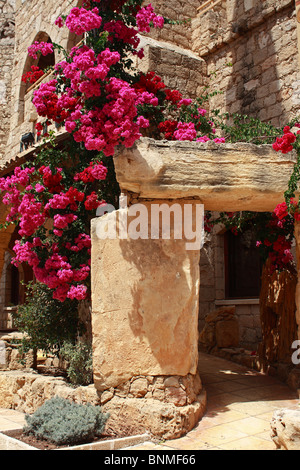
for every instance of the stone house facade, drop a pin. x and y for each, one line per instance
(250, 55)
(245, 49)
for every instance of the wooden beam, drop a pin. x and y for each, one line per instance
(209, 5)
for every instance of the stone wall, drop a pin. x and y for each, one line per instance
(34, 20)
(179, 68)
(183, 11)
(250, 48)
(212, 293)
(7, 33)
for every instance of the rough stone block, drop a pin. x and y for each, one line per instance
(227, 333)
(164, 420)
(234, 176)
(144, 308)
(285, 429)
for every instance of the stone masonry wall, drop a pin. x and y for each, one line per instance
(183, 11)
(250, 48)
(7, 32)
(33, 20)
(247, 49)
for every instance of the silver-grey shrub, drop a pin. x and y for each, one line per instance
(63, 422)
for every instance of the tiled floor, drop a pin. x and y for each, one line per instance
(240, 406)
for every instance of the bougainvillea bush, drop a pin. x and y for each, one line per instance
(32, 75)
(102, 102)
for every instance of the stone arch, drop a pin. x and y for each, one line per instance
(13, 280)
(42, 62)
(74, 39)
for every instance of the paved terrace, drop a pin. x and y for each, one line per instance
(241, 403)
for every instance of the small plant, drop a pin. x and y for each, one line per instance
(243, 128)
(79, 359)
(66, 423)
(46, 322)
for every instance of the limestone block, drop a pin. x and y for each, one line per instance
(227, 333)
(27, 391)
(285, 429)
(297, 294)
(176, 395)
(144, 308)
(221, 329)
(237, 176)
(178, 67)
(162, 420)
(139, 387)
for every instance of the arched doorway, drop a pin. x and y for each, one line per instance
(13, 281)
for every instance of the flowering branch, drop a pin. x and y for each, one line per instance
(103, 103)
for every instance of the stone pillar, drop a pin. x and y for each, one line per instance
(297, 238)
(145, 295)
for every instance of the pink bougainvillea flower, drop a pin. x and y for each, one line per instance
(80, 20)
(44, 48)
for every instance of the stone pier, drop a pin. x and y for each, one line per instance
(297, 238)
(145, 291)
(145, 325)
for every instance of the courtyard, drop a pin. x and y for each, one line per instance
(240, 406)
(154, 321)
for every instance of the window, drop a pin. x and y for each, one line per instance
(242, 265)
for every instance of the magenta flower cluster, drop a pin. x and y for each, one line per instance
(146, 16)
(102, 109)
(44, 48)
(30, 207)
(80, 20)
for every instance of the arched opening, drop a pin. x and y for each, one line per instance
(13, 282)
(74, 39)
(43, 63)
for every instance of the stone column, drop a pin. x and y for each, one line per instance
(297, 238)
(145, 295)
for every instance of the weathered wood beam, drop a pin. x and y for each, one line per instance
(209, 5)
